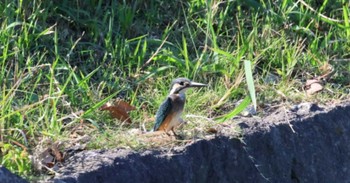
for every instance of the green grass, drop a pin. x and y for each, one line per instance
(59, 58)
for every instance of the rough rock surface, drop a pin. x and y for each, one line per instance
(7, 177)
(307, 143)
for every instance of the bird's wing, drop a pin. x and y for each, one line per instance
(162, 113)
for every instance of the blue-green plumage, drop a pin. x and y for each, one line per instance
(162, 113)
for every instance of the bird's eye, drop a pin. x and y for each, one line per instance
(181, 83)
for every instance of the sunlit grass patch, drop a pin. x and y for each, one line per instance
(61, 61)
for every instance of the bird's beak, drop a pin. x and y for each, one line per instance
(195, 84)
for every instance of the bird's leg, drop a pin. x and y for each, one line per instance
(176, 135)
(172, 135)
(166, 132)
(181, 124)
(174, 132)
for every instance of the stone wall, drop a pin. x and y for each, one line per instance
(307, 143)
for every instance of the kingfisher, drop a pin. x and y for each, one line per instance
(169, 113)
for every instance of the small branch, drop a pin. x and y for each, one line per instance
(154, 54)
(287, 119)
(321, 15)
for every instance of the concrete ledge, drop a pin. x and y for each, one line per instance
(308, 143)
(7, 177)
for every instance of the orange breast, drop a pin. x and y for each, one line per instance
(165, 124)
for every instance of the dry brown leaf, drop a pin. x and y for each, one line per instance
(313, 86)
(51, 155)
(212, 130)
(56, 152)
(119, 110)
(124, 105)
(46, 158)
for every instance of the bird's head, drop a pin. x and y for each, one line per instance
(180, 85)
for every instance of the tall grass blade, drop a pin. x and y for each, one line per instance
(243, 105)
(154, 72)
(250, 81)
(346, 17)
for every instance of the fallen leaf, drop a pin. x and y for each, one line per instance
(212, 130)
(124, 105)
(119, 110)
(50, 164)
(51, 155)
(47, 159)
(56, 152)
(313, 86)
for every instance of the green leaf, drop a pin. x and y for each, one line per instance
(250, 81)
(99, 104)
(346, 18)
(86, 78)
(243, 105)
(154, 72)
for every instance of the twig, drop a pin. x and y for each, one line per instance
(321, 15)
(50, 169)
(154, 54)
(287, 119)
